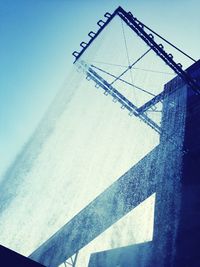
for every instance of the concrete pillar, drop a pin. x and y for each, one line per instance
(177, 212)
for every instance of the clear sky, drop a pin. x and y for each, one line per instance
(37, 39)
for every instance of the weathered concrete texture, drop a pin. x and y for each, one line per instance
(131, 256)
(168, 189)
(188, 238)
(177, 216)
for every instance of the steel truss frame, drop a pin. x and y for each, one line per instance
(71, 262)
(139, 28)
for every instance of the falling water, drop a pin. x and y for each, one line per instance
(84, 143)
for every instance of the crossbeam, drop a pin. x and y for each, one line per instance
(109, 89)
(139, 29)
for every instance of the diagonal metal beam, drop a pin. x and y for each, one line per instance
(109, 89)
(122, 99)
(116, 201)
(122, 80)
(130, 67)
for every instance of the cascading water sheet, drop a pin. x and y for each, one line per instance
(84, 143)
(80, 148)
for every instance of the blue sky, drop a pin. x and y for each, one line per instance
(37, 39)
